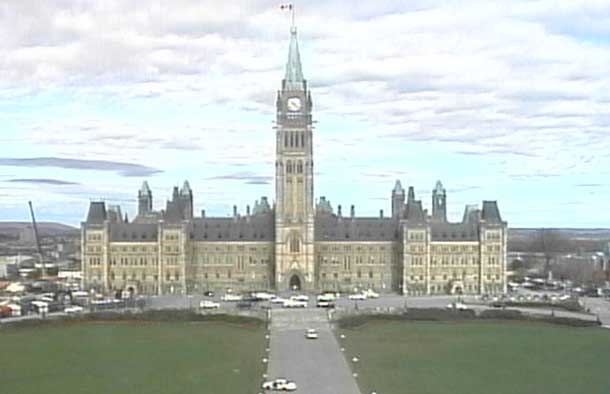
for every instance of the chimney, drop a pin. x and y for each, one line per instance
(339, 210)
(203, 213)
(248, 210)
(381, 213)
(352, 211)
(234, 211)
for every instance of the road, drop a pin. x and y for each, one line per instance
(315, 365)
(597, 306)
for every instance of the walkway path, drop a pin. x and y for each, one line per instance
(317, 366)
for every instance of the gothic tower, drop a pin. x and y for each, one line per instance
(294, 215)
(398, 200)
(144, 200)
(439, 203)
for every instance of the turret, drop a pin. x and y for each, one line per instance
(145, 200)
(186, 198)
(411, 195)
(439, 203)
(398, 200)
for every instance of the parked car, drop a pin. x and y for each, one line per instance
(278, 300)
(457, 306)
(5, 311)
(74, 310)
(311, 334)
(244, 304)
(357, 297)
(327, 297)
(300, 297)
(280, 384)
(207, 304)
(325, 304)
(209, 294)
(231, 297)
(263, 296)
(295, 304)
(370, 294)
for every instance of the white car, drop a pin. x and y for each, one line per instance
(231, 297)
(300, 297)
(75, 309)
(357, 297)
(263, 296)
(328, 297)
(280, 385)
(295, 304)
(370, 294)
(207, 304)
(278, 300)
(311, 334)
(457, 306)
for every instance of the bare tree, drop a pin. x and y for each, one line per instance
(550, 243)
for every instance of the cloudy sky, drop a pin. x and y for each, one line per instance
(501, 100)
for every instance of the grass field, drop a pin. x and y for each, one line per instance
(131, 358)
(479, 358)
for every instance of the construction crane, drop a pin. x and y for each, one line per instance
(37, 239)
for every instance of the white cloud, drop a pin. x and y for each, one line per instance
(479, 77)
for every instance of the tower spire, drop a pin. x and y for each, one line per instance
(293, 79)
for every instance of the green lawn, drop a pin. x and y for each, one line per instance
(131, 358)
(479, 358)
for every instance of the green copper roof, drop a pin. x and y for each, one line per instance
(294, 73)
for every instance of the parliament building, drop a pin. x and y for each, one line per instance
(295, 242)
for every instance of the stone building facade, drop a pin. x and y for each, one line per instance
(295, 242)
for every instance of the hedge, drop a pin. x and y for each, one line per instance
(161, 315)
(442, 315)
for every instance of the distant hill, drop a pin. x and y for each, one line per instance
(574, 239)
(45, 229)
(572, 233)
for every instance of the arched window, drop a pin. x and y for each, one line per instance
(300, 167)
(289, 167)
(285, 140)
(291, 140)
(302, 139)
(294, 244)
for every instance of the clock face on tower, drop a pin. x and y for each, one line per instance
(293, 104)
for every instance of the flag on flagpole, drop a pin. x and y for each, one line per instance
(289, 7)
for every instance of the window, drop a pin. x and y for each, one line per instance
(294, 244)
(370, 274)
(289, 167)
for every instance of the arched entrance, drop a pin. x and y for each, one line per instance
(457, 287)
(295, 282)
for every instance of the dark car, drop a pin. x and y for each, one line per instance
(209, 294)
(244, 305)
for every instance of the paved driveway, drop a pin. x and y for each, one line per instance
(317, 366)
